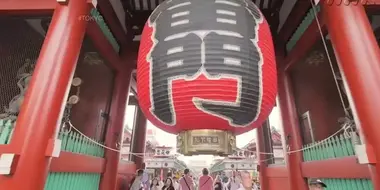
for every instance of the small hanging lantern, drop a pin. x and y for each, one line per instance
(206, 71)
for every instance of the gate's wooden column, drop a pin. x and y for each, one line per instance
(263, 147)
(358, 57)
(41, 113)
(290, 124)
(139, 138)
(115, 128)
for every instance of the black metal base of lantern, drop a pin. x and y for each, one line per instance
(206, 141)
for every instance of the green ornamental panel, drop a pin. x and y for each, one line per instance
(105, 29)
(336, 147)
(308, 19)
(72, 181)
(6, 130)
(76, 143)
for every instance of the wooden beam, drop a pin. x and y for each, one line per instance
(82, 164)
(377, 33)
(37, 122)
(305, 43)
(38, 7)
(103, 46)
(295, 17)
(345, 167)
(28, 7)
(277, 171)
(301, 8)
(132, 52)
(126, 168)
(309, 38)
(9, 148)
(113, 22)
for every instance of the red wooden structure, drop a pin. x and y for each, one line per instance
(32, 152)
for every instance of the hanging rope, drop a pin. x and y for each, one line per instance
(306, 148)
(315, 12)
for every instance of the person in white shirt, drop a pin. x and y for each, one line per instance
(137, 182)
(176, 184)
(235, 183)
(226, 183)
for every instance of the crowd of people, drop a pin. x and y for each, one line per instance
(187, 182)
(238, 181)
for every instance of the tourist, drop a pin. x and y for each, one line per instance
(235, 182)
(156, 185)
(246, 180)
(317, 184)
(218, 183)
(205, 181)
(226, 181)
(145, 180)
(256, 186)
(137, 181)
(168, 184)
(176, 183)
(186, 182)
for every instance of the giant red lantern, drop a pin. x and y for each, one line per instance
(206, 69)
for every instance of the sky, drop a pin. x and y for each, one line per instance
(167, 139)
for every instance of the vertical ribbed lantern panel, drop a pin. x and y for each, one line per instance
(206, 64)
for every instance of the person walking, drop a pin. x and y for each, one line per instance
(176, 183)
(235, 182)
(186, 182)
(205, 181)
(137, 182)
(218, 183)
(246, 180)
(156, 185)
(168, 184)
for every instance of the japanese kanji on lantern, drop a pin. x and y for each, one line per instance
(206, 71)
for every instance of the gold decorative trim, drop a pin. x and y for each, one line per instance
(206, 141)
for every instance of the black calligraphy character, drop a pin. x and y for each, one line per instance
(172, 58)
(237, 58)
(229, 55)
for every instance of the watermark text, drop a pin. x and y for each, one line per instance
(351, 2)
(89, 18)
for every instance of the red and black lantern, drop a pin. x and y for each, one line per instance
(206, 64)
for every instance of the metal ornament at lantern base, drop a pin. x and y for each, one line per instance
(206, 141)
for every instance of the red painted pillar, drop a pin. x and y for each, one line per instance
(115, 129)
(290, 124)
(358, 57)
(262, 158)
(42, 109)
(139, 138)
